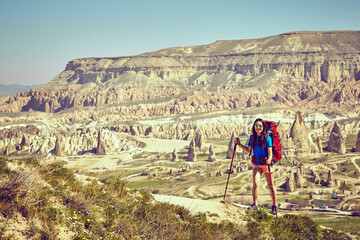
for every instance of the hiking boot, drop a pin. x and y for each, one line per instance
(253, 206)
(274, 210)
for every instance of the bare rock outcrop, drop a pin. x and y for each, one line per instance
(174, 156)
(280, 99)
(300, 136)
(230, 150)
(298, 179)
(316, 178)
(251, 102)
(191, 157)
(300, 170)
(330, 179)
(9, 149)
(319, 145)
(151, 76)
(357, 146)
(25, 142)
(337, 140)
(212, 157)
(290, 183)
(298, 130)
(58, 150)
(100, 149)
(199, 141)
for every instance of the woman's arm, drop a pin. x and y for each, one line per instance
(270, 155)
(243, 147)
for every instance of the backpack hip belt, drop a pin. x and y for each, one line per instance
(261, 160)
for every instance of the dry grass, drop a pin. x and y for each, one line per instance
(49, 198)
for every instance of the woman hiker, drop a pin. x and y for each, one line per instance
(261, 148)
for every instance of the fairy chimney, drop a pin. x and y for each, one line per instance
(191, 152)
(298, 131)
(212, 157)
(319, 145)
(279, 98)
(330, 179)
(299, 136)
(336, 141)
(357, 146)
(100, 149)
(174, 156)
(231, 146)
(298, 179)
(316, 178)
(9, 149)
(290, 182)
(58, 150)
(251, 102)
(286, 140)
(300, 170)
(25, 143)
(199, 141)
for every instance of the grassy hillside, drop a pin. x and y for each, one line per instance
(41, 200)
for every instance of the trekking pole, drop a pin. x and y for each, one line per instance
(273, 191)
(232, 159)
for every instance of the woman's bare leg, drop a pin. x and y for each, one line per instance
(256, 181)
(270, 182)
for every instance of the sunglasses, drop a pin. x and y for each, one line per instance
(258, 126)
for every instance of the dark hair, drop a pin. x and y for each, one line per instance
(260, 140)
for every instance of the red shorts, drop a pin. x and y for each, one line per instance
(264, 168)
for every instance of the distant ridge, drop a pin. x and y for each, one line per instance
(314, 70)
(7, 90)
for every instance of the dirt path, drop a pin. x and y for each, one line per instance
(216, 210)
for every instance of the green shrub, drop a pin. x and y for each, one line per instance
(295, 227)
(4, 170)
(331, 234)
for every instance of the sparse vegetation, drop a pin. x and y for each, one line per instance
(48, 198)
(264, 226)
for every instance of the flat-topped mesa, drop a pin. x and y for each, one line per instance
(309, 55)
(296, 61)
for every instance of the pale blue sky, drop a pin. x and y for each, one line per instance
(38, 37)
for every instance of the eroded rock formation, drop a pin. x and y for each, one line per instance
(100, 149)
(9, 149)
(319, 145)
(174, 156)
(357, 146)
(337, 140)
(58, 150)
(299, 134)
(290, 183)
(231, 70)
(212, 157)
(298, 179)
(199, 141)
(230, 150)
(330, 179)
(191, 157)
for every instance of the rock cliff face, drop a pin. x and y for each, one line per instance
(177, 93)
(312, 69)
